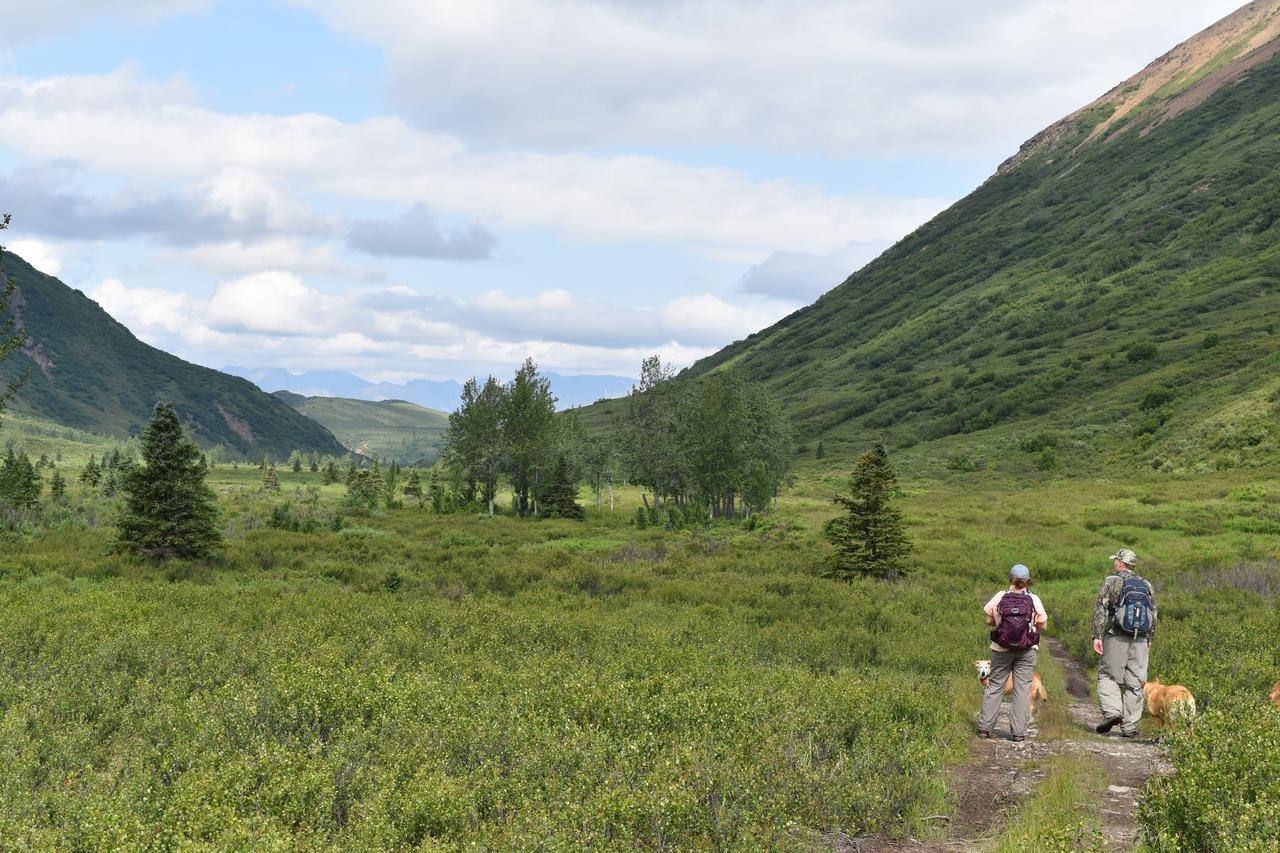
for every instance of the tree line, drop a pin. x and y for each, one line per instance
(720, 446)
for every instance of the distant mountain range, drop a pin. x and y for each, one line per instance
(571, 391)
(89, 372)
(391, 430)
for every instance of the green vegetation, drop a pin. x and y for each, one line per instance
(168, 511)
(723, 444)
(868, 538)
(87, 372)
(388, 430)
(1062, 815)
(396, 677)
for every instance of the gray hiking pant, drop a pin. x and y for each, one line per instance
(1124, 661)
(1022, 664)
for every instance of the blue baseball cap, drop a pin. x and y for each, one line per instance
(1020, 572)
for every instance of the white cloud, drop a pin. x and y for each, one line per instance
(278, 312)
(270, 254)
(238, 159)
(802, 277)
(842, 76)
(271, 302)
(41, 255)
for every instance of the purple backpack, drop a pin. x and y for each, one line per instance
(1016, 627)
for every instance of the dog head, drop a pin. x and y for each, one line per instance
(1149, 686)
(984, 670)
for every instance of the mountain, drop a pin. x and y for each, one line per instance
(90, 372)
(386, 429)
(571, 391)
(1114, 288)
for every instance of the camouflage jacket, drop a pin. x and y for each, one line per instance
(1104, 610)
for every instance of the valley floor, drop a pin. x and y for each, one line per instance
(415, 680)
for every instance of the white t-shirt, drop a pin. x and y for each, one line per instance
(1041, 619)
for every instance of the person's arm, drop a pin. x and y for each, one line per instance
(1101, 614)
(1042, 617)
(990, 609)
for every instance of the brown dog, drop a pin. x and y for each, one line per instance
(1037, 686)
(1167, 702)
(1275, 695)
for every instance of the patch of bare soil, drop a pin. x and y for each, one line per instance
(999, 775)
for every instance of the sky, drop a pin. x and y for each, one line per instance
(422, 189)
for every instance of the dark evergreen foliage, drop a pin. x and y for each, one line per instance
(869, 538)
(559, 499)
(19, 480)
(91, 475)
(168, 510)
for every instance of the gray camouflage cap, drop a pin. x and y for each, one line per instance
(1125, 556)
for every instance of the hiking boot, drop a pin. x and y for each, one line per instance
(1018, 738)
(983, 734)
(1108, 724)
(1133, 733)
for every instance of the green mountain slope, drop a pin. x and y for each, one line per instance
(1117, 282)
(89, 372)
(390, 429)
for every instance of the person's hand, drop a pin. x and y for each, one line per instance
(1097, 645)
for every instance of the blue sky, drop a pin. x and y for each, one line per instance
(427, 189)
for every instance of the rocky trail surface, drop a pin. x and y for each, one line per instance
(1000, 774)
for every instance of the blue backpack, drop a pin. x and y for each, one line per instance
(1135, 611)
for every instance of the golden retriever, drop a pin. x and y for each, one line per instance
(1167, 702)
(1037, 686)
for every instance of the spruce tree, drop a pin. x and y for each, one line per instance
(92, 474)
(413, 487)
(559, 500)
(57, 486)
(822, 451)
(168, 510)
(19, 480)
(869, 538)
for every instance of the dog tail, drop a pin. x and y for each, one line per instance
(1040, 692)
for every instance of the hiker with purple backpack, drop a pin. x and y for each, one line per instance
(1017, 616)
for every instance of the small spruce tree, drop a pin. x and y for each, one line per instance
(168, 510)
(869, 538)
(19, 479)
(413, 487)
(560, 498)
(57, 486)
(821, 452)
(92, 474)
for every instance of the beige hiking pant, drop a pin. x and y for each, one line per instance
(1022, 664)
(1124, 661)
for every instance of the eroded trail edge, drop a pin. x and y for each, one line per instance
(1000, 774)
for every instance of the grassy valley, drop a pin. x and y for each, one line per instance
(443, 680)
(392, 430)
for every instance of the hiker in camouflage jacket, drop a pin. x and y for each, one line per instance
(1124, 657)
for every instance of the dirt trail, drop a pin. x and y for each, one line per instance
(997, 776)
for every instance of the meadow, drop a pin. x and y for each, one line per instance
(401, 679)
